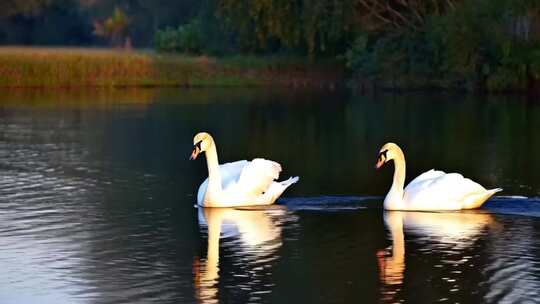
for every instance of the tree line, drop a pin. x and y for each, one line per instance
(77, 22)
(465, 44)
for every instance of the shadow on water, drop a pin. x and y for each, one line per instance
(97, 195)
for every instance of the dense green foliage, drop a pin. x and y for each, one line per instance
(186, 38)
(309, 26)
(72, 22)
(463, 44)
(476, 45)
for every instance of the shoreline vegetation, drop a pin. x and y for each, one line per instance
(480, 46)
(78, 67)
(27, 67)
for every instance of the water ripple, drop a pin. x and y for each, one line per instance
(89, 215)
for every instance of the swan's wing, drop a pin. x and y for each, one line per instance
(446, 191)
(257, 176)
(202, 192)
(428, 176)
(230, 173)
(456, 186)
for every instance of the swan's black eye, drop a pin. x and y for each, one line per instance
(382, 155)
(198, 144)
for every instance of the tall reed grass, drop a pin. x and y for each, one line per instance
(71, 67)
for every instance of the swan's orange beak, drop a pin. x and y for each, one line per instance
(195, 152)
(381, 159)
(379, 164)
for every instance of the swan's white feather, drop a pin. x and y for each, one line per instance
(247, 183)
(436, 190)
(428, 175)
(230, 172)
(258, 175)
(432, 190)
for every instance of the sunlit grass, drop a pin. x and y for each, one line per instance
(69, 67)
(73, 67)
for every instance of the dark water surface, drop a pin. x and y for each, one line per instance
(97, 195)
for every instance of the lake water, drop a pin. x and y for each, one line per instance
(97, 198)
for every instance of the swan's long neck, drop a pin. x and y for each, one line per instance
(394, 198)
(214, 175)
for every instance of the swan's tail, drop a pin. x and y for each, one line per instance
(481, 199)
(275, 190)
(493, 191)
(290, 181)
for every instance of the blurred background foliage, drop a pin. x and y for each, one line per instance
(489, 45)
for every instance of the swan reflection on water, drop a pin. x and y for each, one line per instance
(457, 230)
(254, 234)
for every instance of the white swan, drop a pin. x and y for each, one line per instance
(432, 190)
(241, 183)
